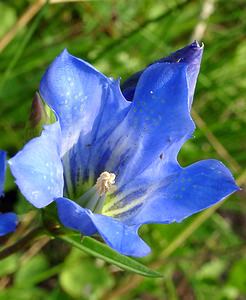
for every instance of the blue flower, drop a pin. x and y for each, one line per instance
(8, 221)
(111, 164)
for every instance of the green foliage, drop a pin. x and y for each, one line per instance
(8, 265)
(26, 275)
(102, 251)
(84, 278)
(7, 17)
(121, 37)
(237, 277)
(23, 294)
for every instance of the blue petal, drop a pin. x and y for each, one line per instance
(193, 189)
(88, 106)
(129, 85)
(191, 55)
(2, 170)
(156, 127)
(117, 235)
(77, 92)
(37, 168)
(85, 160)
(8, 222)
(75, 217)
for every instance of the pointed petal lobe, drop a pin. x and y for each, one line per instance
(193, 189)
(76, 91)
(191, 55)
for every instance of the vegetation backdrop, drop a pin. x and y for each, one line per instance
(201, 258)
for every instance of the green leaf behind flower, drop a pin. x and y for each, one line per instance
(102, 251)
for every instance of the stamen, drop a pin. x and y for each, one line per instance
(105, 183)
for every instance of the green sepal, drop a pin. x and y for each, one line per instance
(40, 115)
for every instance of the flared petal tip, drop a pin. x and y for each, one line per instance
(65, 52)
(190, 54)
(195, 44)
(237, 188)
(64, 55)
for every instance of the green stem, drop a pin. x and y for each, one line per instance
(26, 240)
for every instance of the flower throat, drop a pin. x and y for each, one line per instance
(95, 197)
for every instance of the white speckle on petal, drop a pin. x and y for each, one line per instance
(35, 194)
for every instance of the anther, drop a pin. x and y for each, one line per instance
(105, 183)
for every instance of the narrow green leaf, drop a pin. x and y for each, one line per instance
(102, 251)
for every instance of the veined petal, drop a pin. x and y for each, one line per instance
(156, 126)
(2, 170)
(8, 222)
(191, 55)
(89, 106)
(193, 189)
(37, 168)
(114, 109)
(86, 160)
(77, 92)
(117, 235)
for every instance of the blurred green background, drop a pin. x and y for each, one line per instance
(205, 256)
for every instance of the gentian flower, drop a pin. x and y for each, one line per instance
(111, 164)
(8, 221)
